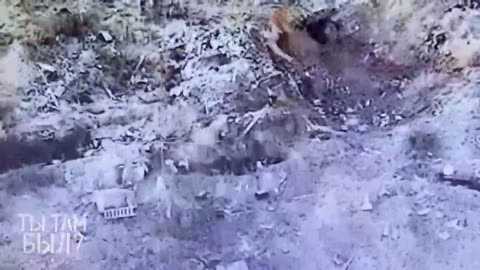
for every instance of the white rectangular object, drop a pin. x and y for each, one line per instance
(117, 213)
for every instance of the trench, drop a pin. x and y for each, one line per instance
(353, 85)
(349, 89)
(17, 153)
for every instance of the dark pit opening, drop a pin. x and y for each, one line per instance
(17, 153)
(348, 82)
(226, 161)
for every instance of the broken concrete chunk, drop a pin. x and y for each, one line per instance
(271, 208)
(113, 198)
(423, 212)
(46, 67)
(269, 182)
(366, 204)
(171, 165)
(266, 183)
(203, 195)
(448, 170)
(59, 91)
(132, 173)
(95, 109)
(105, 36)
(184, 163)
(386, 230)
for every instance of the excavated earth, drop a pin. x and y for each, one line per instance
(236, 158)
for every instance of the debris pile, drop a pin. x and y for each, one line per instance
(241, 134)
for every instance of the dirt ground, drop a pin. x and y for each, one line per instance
(234, 159)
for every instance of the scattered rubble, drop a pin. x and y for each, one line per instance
(212, 136)
(113, 198)
(366, 204)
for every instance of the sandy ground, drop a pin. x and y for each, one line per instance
(374, 177)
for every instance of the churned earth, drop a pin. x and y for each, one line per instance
(236, 158)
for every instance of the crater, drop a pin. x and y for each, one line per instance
(343, 75)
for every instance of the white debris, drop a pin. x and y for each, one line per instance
(133, 173)
(117, 213)
(106, 36)
(266, 183)
(386, 230)
(443, 235)
(454, 224)
(270, 182)
(257, 115)
(423, 212)
(448, 170)
(59, 90)
(352, 121)
(90, 174)
(114, 198)
(171, 165)
(476, 173)
(184, 163)
(259, 165)
(366, 204)
(95, 108)
(175, 28)
(271, 208)
(46, 67)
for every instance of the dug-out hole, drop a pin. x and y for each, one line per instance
(232, 160)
